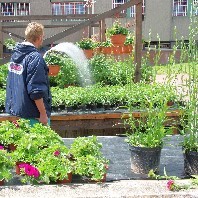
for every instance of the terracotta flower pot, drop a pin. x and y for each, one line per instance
(170, 103)
(130, 48)
(12, 147)
(97, 50)
(118, 39)
(64, 181)
(125, 49)
(2, 182)
(116, 50)
(88, 53)
(106, 50)
(53, 70)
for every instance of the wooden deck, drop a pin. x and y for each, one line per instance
(100, 124)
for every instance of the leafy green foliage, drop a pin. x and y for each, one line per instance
(53, 164)
(83, 146)
(55, 58)
(12, 132)
(148, 130)
(3, 75)
(88, 158)
(87, 43)
(10, 43)
(117, 28)
(6, 165)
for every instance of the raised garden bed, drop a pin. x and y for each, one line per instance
(70, 125)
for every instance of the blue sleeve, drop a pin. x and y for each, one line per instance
(36, 77)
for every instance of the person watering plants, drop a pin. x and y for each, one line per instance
(27, 91)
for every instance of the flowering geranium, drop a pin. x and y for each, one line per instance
(53, 163)
(30, 170)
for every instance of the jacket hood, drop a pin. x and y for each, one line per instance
(22, 50)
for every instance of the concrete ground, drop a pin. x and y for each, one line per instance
(121, 182)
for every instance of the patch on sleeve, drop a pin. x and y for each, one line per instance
(15, 68)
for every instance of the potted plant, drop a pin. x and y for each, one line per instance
(10, 43)
(117, 33)
(54, 60)
(106, 47)
(38, 138)
(128, 44)
(88, 158)
(6, 165)
(190, 141)
(92, 167)
(11, 132)
(54, 164)
(145, 136)
(87, 45)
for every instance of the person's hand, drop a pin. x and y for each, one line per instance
(43, 119)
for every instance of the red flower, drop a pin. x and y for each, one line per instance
(1, 147)
(15, 123)
(30, 170)
(170, 184)
(56, 153)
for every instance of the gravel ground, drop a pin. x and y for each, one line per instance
(124, 188)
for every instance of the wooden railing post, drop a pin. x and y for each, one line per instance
(102, 30)
(138, 42)
(1, 40)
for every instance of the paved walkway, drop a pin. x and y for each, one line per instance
(116, 150)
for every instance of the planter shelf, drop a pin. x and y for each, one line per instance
(70, 125)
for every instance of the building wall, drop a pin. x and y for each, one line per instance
(158, 20)
(44, 8)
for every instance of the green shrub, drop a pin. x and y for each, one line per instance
(3, 75)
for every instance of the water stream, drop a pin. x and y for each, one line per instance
(79, 58)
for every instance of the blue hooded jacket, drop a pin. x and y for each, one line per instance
(27, 81)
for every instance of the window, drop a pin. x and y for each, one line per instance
(15, 9)
(195, 7)
(68, 8)
(132, 9)
(180, 7)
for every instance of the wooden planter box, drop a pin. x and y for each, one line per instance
(100, 124)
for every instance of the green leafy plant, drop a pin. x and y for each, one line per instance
(91, 166)
(88, 158)
(129, 39)
(117, 28)
(10, 43)
(83, 146)
(86, 43)
(32, 143)
(53, 163)
(53, 57)
(6, 165)
(147, 131)
(106, 43)
(12, 132)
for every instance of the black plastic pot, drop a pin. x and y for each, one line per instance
(190, 162)
(144, 159)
